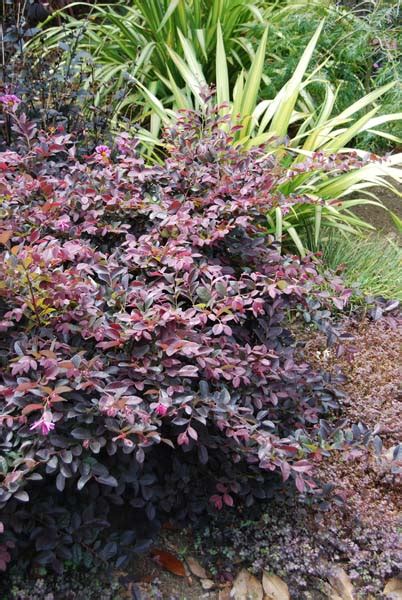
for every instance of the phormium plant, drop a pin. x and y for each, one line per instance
(144, 359)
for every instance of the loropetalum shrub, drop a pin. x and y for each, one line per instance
(144, 359)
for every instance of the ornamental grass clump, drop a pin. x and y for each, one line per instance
(145, 361)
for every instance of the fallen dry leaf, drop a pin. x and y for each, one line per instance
(246, 587)
(207, 584)
(393, 589)
(330, 593)
(5, 236)
(274, 587)
(195, 567)
(168, 562)
(341, 583)
(134, 592)
(224, 594)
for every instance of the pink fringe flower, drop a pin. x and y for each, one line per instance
(161, 409)
(44, 424)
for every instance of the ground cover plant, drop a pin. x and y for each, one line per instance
(302, 546)
(145, 358)
(73, 584)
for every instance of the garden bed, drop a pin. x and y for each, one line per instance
(199, 332)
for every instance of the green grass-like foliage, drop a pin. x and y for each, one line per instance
(362, 48)
(373, 264)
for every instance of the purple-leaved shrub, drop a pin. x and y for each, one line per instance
(144, 359)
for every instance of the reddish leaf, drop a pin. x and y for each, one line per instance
(28, 385)
(169, 562)
(30, 408)
(228, 500)
(46, 188)
(301, 486)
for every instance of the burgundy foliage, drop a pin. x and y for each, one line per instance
(144, 360)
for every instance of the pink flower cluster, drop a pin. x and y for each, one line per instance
(161, 409)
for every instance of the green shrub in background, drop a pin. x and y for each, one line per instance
(360, 50)
(289, 120)
(133, 41)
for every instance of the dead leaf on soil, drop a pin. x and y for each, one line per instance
(393, 589)
(224, 594)
(246, 587)
(169, 562)
(195, 567)
(274, 587)
(207, 584)
(5, 236)
(330, 593)
(341, 583)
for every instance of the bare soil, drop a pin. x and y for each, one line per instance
(377, 216)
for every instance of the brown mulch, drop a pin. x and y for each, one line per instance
(371, 362)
